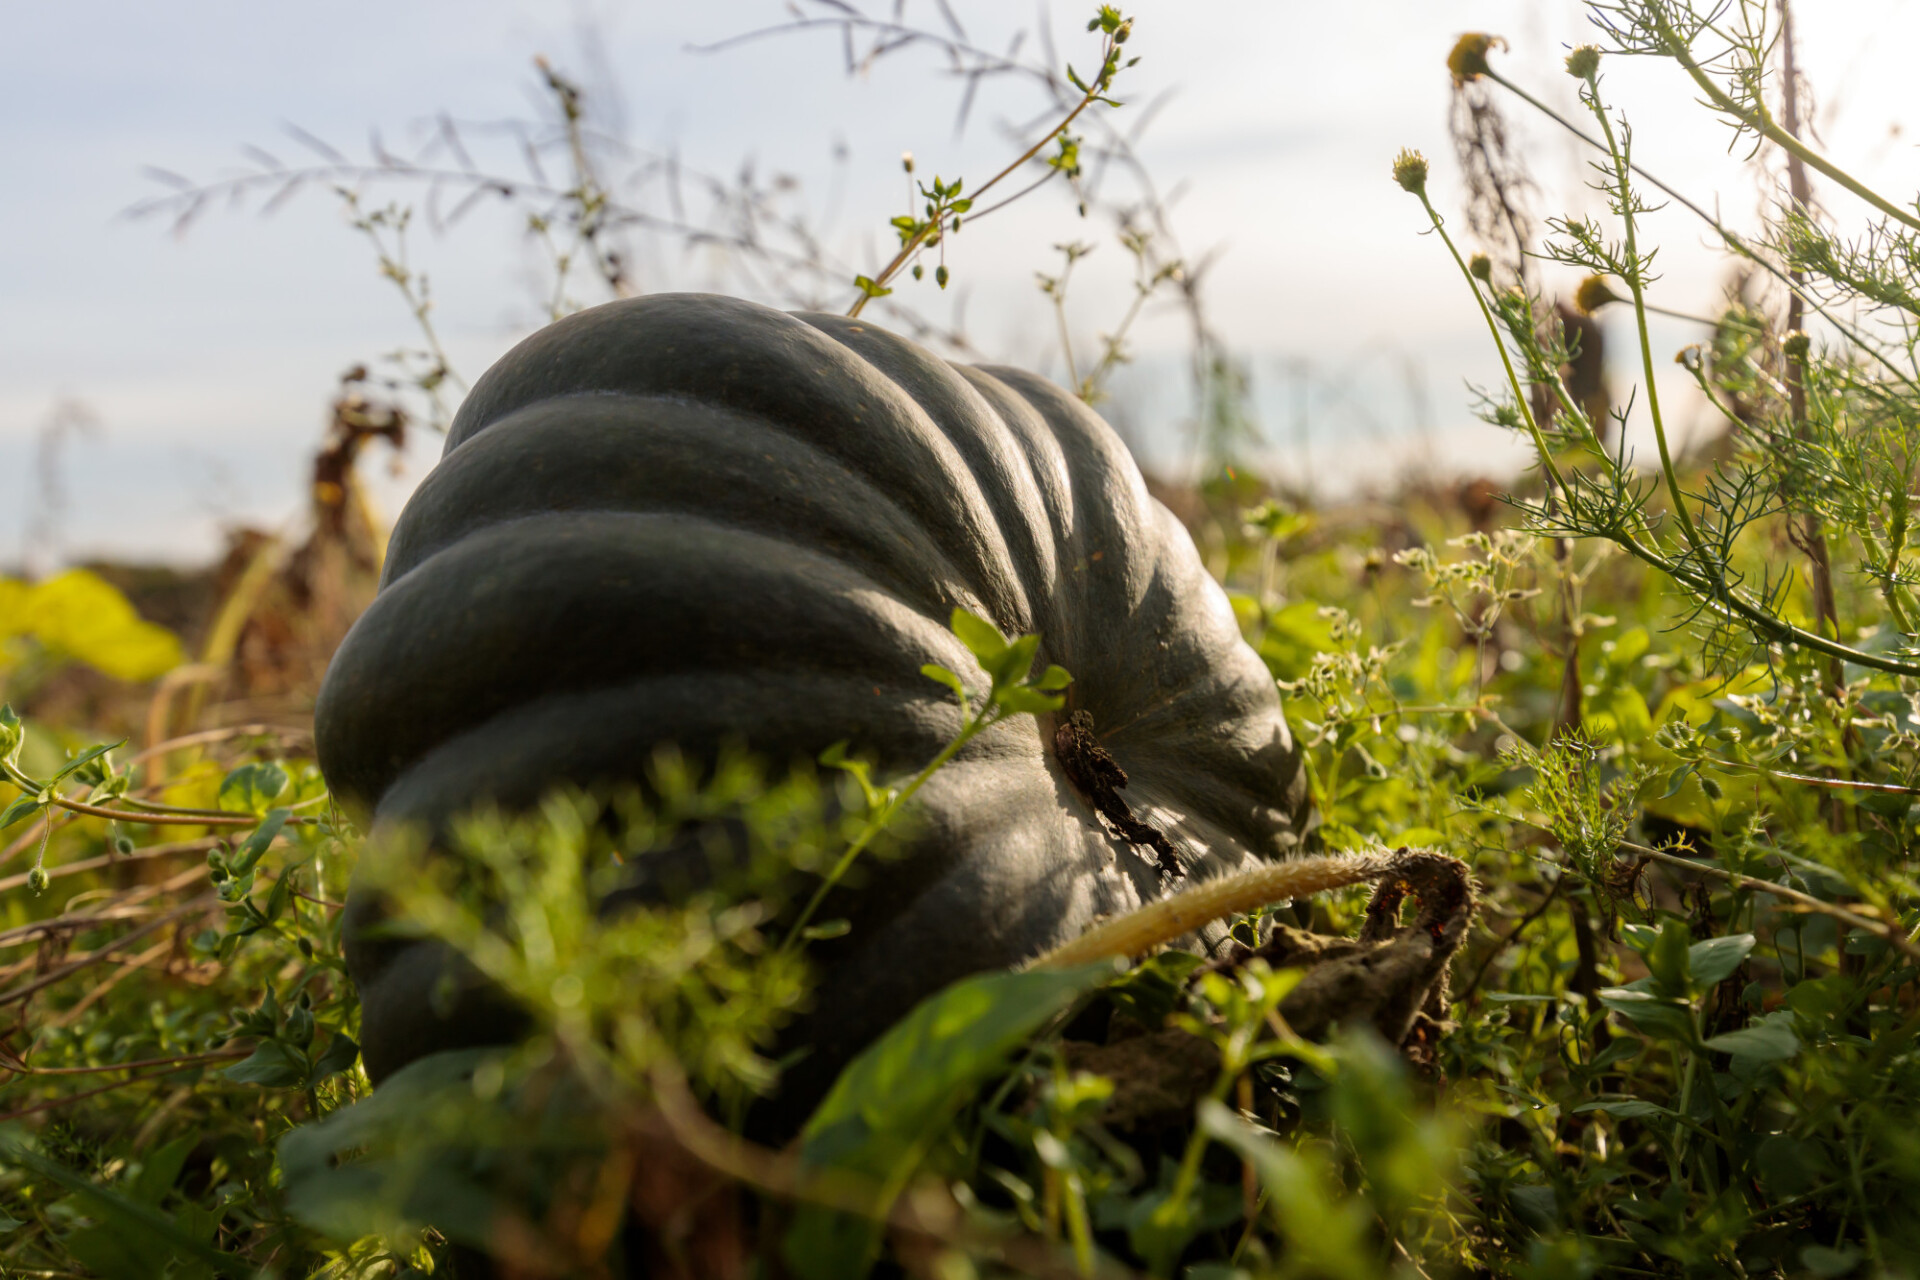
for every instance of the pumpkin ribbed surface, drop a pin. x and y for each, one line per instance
(691, 519)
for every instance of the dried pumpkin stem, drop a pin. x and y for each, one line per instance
(1161, 922)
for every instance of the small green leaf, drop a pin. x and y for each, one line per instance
(85, 758)
(827, 929)
(340, 1056)
(1013, 663)
(982, 638)
(893, 1099)
(1624, 1108)
(1659, 1017)
(22, 806)
(1670, 955)
(12, 734)
(274, 1065)
(836, 757)
(1830, 1263)
(252, 788)
(867, 286)
(1770, 1041)
(160, 1169)
(1054, 678)
(934, 671)
(1023, 700)
(1716, 959)
(255, 846)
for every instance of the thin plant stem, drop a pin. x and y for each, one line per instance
(877, 823)
(936, 225)
(1761, 121)
(1729, 237)
(1624, 190)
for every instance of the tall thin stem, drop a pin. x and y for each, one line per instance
(1623, 190)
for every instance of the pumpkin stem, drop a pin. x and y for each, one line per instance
(1441, 882)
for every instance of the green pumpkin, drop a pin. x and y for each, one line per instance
(695, 520)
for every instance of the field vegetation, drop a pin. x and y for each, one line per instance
(1665, 708)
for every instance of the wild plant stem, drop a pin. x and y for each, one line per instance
(186, 818)
(1732, 239)
(1761, 121)
(935, 225)
(1624, 190)
(877, 822)
(1716, 591)
(1506, 361)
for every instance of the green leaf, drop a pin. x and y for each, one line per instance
(1667, 952)
(1829, 1263)
(982, 638)
(1326, 1233)
(896, 1097)
(85, 758)
(1011, 665)
(9, 1223)
(1624, 1108)
(371, 1168)
(122, 1218)
(1772, 1040)
(1152, 989)
(278, 897)
(1790, 1166)
(255, 845)
(1053, 678)
(1716, 959)
(313, 1149)
(1537, 1206)
(23, 805)
(273, 1065)
(161, 1169)
(836, 757)
(253, 787)
(934, 671)
(340, 1056)
(80, 615)
(866, 285)
(1022, 700)
(1658, 1016)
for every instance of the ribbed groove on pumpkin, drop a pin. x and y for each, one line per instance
(573, 600)
(648, 454)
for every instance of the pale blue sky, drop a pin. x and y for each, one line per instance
(209, 359)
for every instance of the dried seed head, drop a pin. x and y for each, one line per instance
(1468, 61)
(1410, 171)
(1593, 294)
(1584, 62)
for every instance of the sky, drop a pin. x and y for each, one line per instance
(194, 370)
